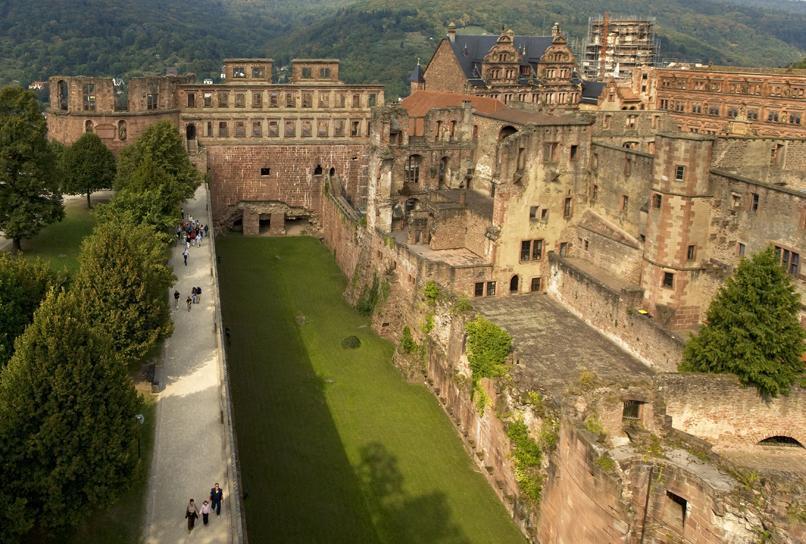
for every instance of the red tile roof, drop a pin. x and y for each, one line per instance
(421, 102)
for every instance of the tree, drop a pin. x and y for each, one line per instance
(123, 281)
(159, 149)
(23, 285)
(752, 328)
(29, 193)
(67, 421)
(88, 166)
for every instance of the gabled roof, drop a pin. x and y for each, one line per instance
(417, 74)
(471, 49)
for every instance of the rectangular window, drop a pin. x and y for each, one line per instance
(223, 100)
(563, 249)
(550, 151)
(794, 118)
(568, 207)
(258, 72)
(338, 128)
(691, 252)
(89, 97)
(290, 129)
(740, 249)
(478, 289)
(274, 129)
(290, 100)
(573, 154)
(632, 409)
(191, 100)
(679, 172)
(356, 100)
(151, 101)
(490, 288)
(257, 100)
(306, 73)
(240, 100)
(533, 213)
(535, 285)
(265, 171)
(595, 193)
(696, 108)
(772, 117)
(355, 128)
(668, 280)
(307, 128)
(223, 130)
(754, 202)
(544, 215)
(273, 99)
(752, 115)
(625, 203)
(240, 129)
(713, 111)
(307, 99)
(657, 200)
(324, 99)
(321, 128)
(537, 250)
(675, 510)
(373, 100)
(208, 100)
(257, 129)
(790, 260)
(238, 72)
(341, 100)
(526, 250)
(324, 73)
(210, 129)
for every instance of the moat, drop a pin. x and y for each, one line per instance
(335, 446)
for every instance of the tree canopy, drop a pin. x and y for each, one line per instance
(29, 188)
(87, 166)
(67, 425)
(23, 285)
(122, 282)
(752, 328)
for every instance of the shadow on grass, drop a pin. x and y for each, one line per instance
(398, 515)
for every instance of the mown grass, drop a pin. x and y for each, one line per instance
(335, 445)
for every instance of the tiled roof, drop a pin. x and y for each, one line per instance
(470, 50)
(421, 102)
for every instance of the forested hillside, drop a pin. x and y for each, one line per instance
(377, 40)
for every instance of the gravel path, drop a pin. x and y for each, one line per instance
(189, 455)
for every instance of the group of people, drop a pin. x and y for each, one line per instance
(194, 298)
(193, 232)
(192, 511)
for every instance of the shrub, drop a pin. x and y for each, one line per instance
(488, 346)
(407, 343)
(526, 457)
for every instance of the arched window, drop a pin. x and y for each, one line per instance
(332, 172)
(506, 131)
(122, 132)
(318, 170)
(63, 95)
(781, 440)
(88, 126)
(412, 169)
(443, 171)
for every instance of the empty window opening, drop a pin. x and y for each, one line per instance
(63, 95)
(306, 73)
(668, 280)
(88, 127)
(625, 203)
(191, 100)
(506, 131)
(780, 440)
(675, 510)
(632, 409)
(568, 207)
(573, 154)
(514, 284)
(443, 171)
(563, 249)
(190, 131)
(223, 130)
(318, 170)
(544, 215)
(412, 169)
(257, 129)
(89, 97)
(740, 249)
(332, 172)
(208, 100)
(265, 171)
(754, 202)
(657, 200)
(691, 252)
(533, 213)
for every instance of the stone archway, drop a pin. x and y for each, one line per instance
(514, 284)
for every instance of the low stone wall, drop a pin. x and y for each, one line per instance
(717, 408)
(614, 314)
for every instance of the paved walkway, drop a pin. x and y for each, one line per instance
(189, 455)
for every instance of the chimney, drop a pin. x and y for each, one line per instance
(452, 31)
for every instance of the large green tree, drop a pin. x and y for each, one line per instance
(23, 285)
(752, 328)
(159, 149)
(87, 166)
(67, 421)
(29, 187)
(123, 283)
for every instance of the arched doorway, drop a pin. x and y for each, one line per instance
(514, 283)
(332, 172)
(190, 132)
(506, 131)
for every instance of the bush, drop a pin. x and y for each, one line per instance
(527, 457)
(488, 346)
(351, 342)
(407, 343)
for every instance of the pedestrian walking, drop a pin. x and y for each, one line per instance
(191, 514)
(185, 256)
(206, 230)
(183, 212)
(176, 299)
(189, 302)
(178, 235)
(216, 496)
(193, 294)
(205, 512)
(198, 295)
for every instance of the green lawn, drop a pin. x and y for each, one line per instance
(335, 445)
(59, 243)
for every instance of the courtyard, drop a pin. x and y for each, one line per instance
(334, 445)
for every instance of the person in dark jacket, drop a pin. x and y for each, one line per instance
(216, 496)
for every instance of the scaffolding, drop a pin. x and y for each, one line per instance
(617, 45)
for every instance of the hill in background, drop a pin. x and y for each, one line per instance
(378, 41)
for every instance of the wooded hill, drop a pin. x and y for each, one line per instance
(378, 41)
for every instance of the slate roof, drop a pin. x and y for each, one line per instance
(470, 50)
(417, 74)
(591, 90)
